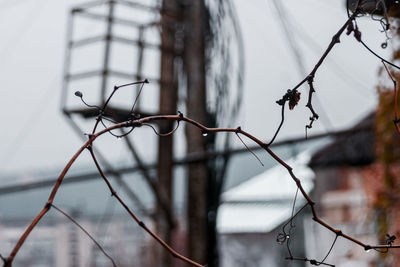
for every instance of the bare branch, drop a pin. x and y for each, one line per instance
(396, 120)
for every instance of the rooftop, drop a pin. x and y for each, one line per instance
(265, 201)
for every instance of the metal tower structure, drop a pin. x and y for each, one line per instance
(114, 42)
(112, 47)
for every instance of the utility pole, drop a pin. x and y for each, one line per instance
(194, 62)
(167, 105)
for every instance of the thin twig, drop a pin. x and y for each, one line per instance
(241, 140)
(291, 96)
(136, 218)
(204, 129)
(312, 262)
(366, 46)
(101, 111)
(86, 232)
(160, 197)
(311, 75)
(330, 250)
(284, 236)
(162, 134)
(280, 124)
(293, 207)
(309, 105)
(137, 97)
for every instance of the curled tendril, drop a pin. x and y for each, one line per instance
(109, 119)
(381, 250)
(389, 241)
(366, 46)
(117, 135)
(101, 116)
(105, 126)
(80, 95)
(384, 21)
(162, 134)
(282, 237)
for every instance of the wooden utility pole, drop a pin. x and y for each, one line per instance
(167, 105)
(194, 61)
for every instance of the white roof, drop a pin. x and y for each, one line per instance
(265, 201)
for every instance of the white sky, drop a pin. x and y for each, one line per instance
(35, 135)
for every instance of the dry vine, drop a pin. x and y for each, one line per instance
(292, 96)
(396, 120)
(178, 118)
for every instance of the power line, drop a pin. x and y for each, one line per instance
(27, 23)
(11, 4)
(287, 27)
(196, 157)
(317, 49)
(30, 123)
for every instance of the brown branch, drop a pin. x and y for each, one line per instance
(310, 77)
(396, 106)
(335, 40)
(137, 220)
(141, 122)
(204, 129)
(110, 170)
(160, 197)
(45, 209)
(309, 105)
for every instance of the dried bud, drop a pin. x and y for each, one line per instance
(78, 94)
(294, 98)
(146, 81)
(350, 28)
(357, 34)
(390, 239)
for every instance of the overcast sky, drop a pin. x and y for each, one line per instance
(36, 136)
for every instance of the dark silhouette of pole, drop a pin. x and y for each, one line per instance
(167, 105)
(194, 62)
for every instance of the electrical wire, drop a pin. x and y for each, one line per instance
(30, 123)
(317, 49)
(287, 25)
(29, 21)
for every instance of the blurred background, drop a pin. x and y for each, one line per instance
(224, 64)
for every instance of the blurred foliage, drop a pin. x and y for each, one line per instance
(387, 149)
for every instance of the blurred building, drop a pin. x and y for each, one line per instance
(353, 193)
(58, 242)
(250, 218)
(252, 214)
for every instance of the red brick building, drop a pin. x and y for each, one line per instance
(357, 187)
